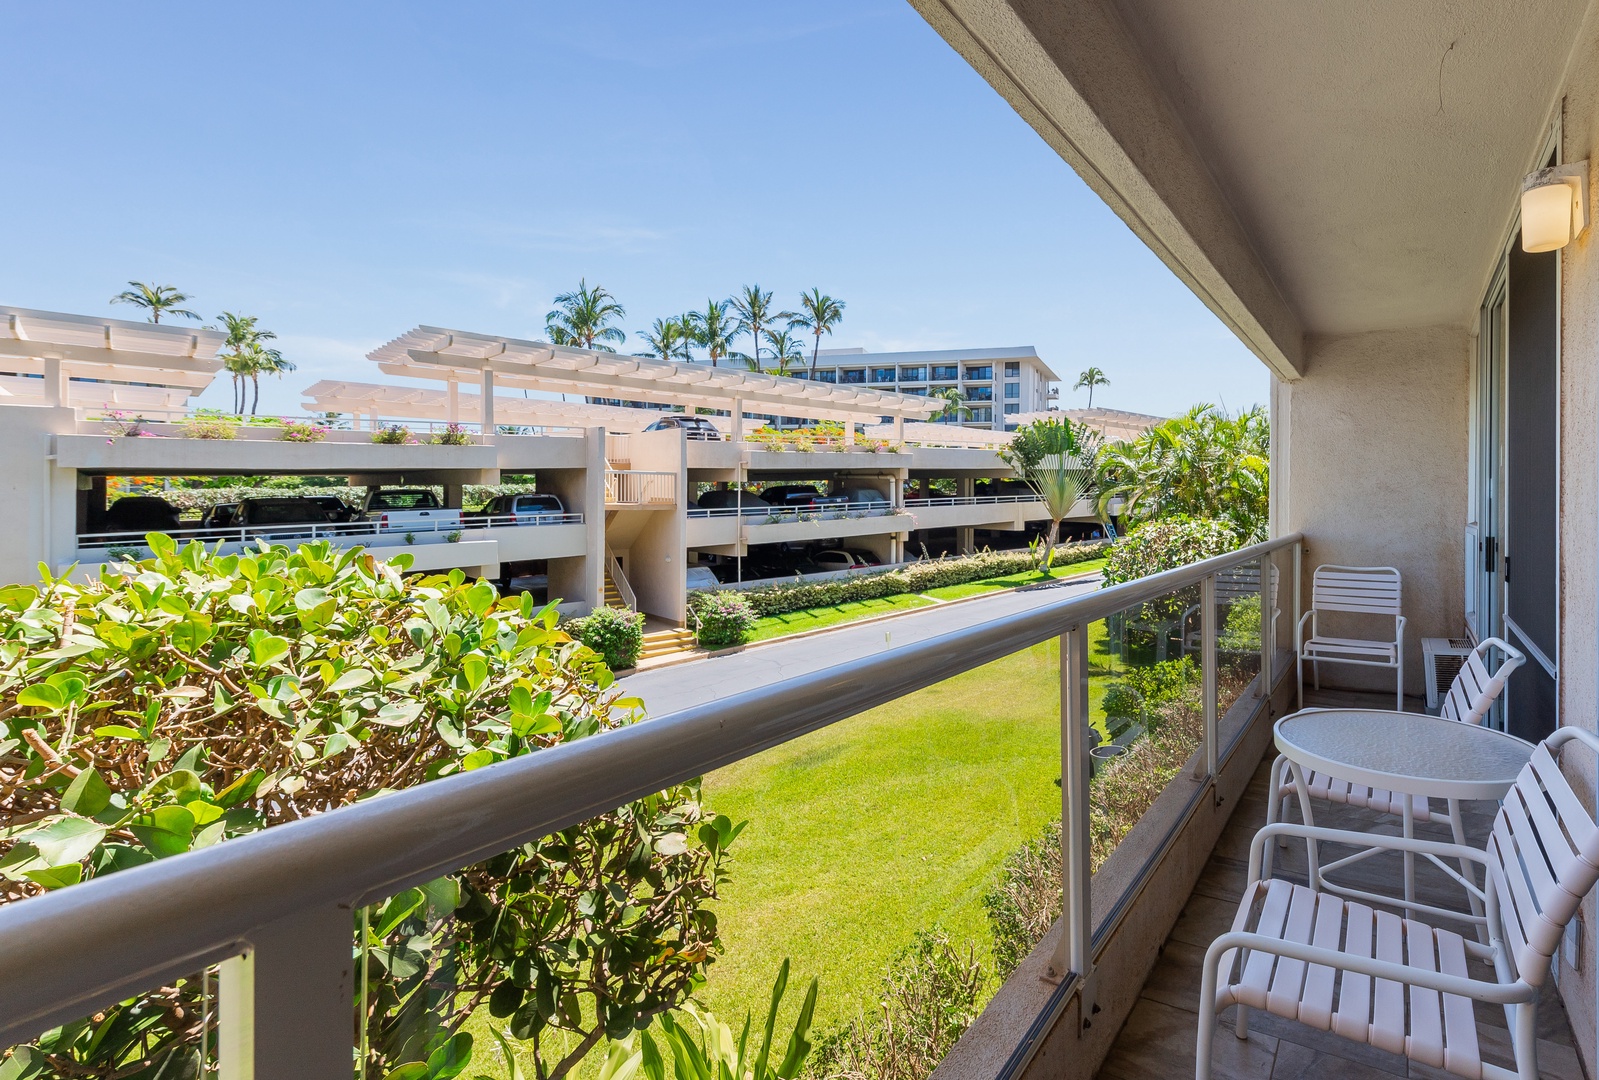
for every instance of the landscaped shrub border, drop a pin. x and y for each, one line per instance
(616, 635)
(722, 619)
(918, 577)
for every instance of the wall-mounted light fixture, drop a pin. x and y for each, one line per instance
(1554, 206)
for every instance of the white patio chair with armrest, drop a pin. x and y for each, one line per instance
(1354, 590)
(1311, 956)
(1469, 699)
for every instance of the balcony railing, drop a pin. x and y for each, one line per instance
(972, 500)
(348, 532)
(274, 909)
(634, 488)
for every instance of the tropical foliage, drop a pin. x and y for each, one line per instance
(753, 308)
(156, 300)
(617, 635)
(585, 318)
(713, 329)
(1088, 380)
(1203, 464)
(954, 406)
(192, 698)
(722, 619)
(246, 357)
(819, 313)
(1057, 459)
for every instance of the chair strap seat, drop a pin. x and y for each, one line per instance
(1435, 1029)
(1342, 792)
(1333, 646)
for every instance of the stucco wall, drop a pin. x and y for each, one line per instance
(1376, 438)
(1579, 498)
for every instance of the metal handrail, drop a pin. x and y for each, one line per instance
(974, 500)
(314, 530)
(624, 588)
(137, 929)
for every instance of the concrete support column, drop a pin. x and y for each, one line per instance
(455, 401)
(964, 538)
(899, 429)
(738, 419)
(452, 496)
(849, 433)
(55, 384)
(488, 401)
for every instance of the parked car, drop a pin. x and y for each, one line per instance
(802, 496)
(409, 510)
(747, 501)
(845, 559)
(523, 509)
(869, 499)
(336, 508)
(701, 577)
(140, 514)
(282, 519)
(864, 557)
(219, 516)
(695, 427)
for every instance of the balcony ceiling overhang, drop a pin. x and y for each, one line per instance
(1304, 168)
(433, 353)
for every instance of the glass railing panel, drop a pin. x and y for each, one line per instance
(1145, 711)
(1238, 635)
(166, 1033)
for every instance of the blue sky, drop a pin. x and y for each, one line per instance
(347, 171)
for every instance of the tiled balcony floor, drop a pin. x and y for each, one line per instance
(1158, 1038)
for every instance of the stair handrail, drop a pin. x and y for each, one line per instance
(619, 579)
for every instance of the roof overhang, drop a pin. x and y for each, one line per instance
(450, 355)
(112, 350)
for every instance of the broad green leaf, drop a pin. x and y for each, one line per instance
(621, 1062)
(398, 908)
(674, 843)
(117, 731)
(42, 696)
(56, 877)
(477, 759)
(351, 679)
(65, 840)
(480, 597)
(266, 647)
(88, 794)
(513, 1067)
(398, 714)
(412, 1070)
(475, 670)
(448, 1060)
(443, 895)
(167, 830)
(543, 724)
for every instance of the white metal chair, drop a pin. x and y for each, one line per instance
(1311, 956)
(1354, 590)
(1470, 697)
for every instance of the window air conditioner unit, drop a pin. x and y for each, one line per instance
(1442, 658)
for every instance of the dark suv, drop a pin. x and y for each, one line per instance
(697, 427)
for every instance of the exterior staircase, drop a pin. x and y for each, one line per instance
(658, 643)
(613, 595)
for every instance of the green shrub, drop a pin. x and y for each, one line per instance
(1140, 694)
(209, 424)
(615, 634)
(303, 431)
(1240, 633)
(929, 998)
(454, 435)
(722, 619)
(393, 435)
(201, 498)
(1157, 546)
(780, 599)
(1026, 900)
(195, 698)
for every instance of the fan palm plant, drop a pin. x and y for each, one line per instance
(713, 329)
(664, 337)
(241, 353)
(954, 405)
(755, 317)
(583, 319)
(1203, 464)
(788, 355)
(1057, 458)
(158, 300)
(1091, 378)
(818, 313)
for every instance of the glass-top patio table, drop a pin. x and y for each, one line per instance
(1409, 754)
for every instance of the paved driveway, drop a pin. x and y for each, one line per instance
(668, 689)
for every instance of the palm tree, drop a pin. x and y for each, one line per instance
(819, 313)
(265, 362)
(1057, 458)
(241, 352)
(158, 300)
(687, 339)
(664, 337)
(788, 355)
(713, 329)
(755, 315)
(954, 404)
(1203, 464)
(583, 319)
(1091, 378)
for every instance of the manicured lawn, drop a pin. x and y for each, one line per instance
(880, 825)
(773, 626)
(1011, 581)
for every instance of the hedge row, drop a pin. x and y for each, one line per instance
(915, 578)
(190, 499)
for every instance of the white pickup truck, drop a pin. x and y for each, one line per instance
(409, 510)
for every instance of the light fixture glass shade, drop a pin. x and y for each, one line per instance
(1546, 217)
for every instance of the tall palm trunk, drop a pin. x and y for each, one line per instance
(255, 400)
(816, 350)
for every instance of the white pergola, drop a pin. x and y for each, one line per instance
(374, 400)
(98, 363)
(454, 356)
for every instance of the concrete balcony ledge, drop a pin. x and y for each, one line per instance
(793, 531)
(826, 460)
(428, 553)
(180, 456)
